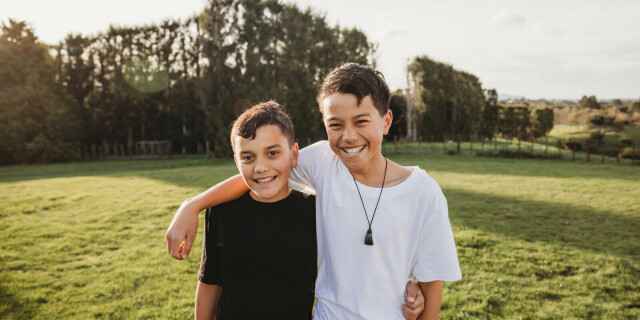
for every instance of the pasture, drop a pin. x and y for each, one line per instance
(536, 239)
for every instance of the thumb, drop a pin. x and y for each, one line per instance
(412, 291)
(187, 246)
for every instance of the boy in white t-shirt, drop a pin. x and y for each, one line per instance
(378, 223)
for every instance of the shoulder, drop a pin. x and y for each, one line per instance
(318, 149)
(303, 200)
(230, 205)
(424, 184)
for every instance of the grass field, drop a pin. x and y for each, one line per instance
(536, 239)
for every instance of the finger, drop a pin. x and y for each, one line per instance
(175, 248)
(407, 314)
(187, 246)
(411, 291)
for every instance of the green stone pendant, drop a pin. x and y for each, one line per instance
(368, 239)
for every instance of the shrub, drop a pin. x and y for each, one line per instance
(573, 145)
(630, 153)
(511, 154)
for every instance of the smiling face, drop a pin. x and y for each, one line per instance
(265, 163)
(355, 131)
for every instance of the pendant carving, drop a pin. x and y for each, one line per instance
(368, 238)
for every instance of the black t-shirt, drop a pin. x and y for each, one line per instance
(263, 255)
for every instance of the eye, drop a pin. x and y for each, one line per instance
(246, 158)
(273, 153)
(361, 121)
(334, 125)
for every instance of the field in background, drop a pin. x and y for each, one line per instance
(536, 239)
(542, 148)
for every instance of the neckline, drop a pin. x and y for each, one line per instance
(269, 204)
(347, 177)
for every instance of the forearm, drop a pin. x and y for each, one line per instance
(432, 292)
(207, 297)
(225, 191)
(184, 224)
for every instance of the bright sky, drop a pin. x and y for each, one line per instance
(552, 49)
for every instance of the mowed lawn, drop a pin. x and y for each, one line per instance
(536, 239)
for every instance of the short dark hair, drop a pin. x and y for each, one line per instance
(358, 80)
(262, 114)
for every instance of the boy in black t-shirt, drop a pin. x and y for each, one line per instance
(259, 256)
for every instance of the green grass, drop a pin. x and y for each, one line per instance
(536, 239)
(542, 147)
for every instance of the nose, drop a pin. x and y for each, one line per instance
(349, 134)
(262, 165)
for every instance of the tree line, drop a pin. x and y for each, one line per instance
(443, 102)
(182, 81)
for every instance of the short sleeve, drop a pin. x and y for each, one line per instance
(436, 258)
(304, 176)
(210, 265)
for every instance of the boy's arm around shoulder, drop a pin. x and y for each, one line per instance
(184, 225)
(207, 297)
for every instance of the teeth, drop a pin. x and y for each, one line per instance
(265, 180)
(353, 150)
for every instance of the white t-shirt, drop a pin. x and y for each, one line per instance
(411, 233)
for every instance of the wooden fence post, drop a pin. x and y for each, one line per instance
(122, 154)
(471, 145)
(560, 148)
(573, 149)
(587, 150)
(458, 150)
(495, 144)
(169, 150)
(207, 148)
(444, 144)
(546, 146)
(603, 150)
(395, 144)
(431, 144)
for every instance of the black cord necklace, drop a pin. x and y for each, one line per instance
(368, 238)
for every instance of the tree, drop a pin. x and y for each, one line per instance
(490, 114)
(541, 121)
(398, 106)
(452, 100)
(589, 102)
(37, 122)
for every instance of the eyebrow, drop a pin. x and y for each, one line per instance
(366, 114)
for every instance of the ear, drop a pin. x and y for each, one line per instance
(294, 155)
(388, 119)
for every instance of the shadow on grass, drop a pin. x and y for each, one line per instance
(521, 167)
(536, 221)
(14, 307)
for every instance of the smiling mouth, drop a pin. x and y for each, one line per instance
(265, 180)
(354, 150)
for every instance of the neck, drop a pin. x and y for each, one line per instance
(372, 175)
(285, 192)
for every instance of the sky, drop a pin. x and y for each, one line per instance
(551, 49)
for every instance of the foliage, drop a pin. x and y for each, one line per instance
(541, 121)
(589, 102)
(595, 142)
(625, 141)
(511, 154)
(453, 99)
(490, 114)
(185, 81)
(398, 106)
(38, 123)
